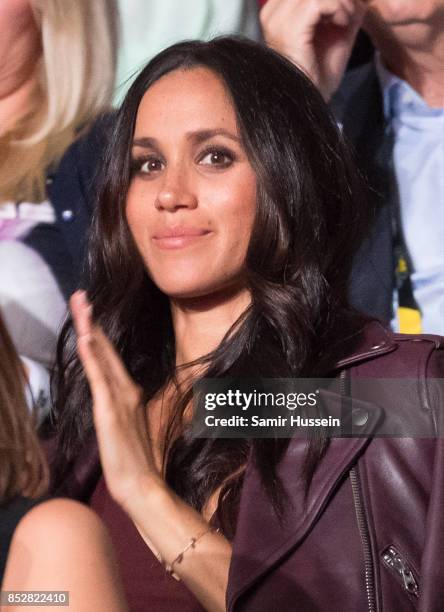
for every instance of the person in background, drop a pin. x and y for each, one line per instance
(45, 544)
(57, 66)
(393, 111)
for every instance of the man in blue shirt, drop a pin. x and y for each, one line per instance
(393, 112)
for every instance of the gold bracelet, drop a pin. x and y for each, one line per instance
(191, 544)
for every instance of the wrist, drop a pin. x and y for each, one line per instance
(142, 490)
(151, 492)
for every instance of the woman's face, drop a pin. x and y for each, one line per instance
(192, 198)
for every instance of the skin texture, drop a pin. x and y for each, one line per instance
(62, 545)
(20, 50)
(190, 175)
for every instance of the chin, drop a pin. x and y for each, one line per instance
(183, 288)
(207, 290)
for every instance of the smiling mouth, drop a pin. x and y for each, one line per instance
(177, 238)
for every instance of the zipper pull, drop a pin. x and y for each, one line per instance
(393, 559)
(410, 583)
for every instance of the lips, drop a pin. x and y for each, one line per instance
(178, 236)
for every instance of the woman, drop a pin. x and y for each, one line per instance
(57, 65)
(45, 538)
(221, 248)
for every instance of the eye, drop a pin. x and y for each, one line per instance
(216, 157)
(147, 165)
(152, 164)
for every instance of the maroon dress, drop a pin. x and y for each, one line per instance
(147, 586)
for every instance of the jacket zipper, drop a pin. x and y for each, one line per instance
(361, 519)
(394, 560)
(365, 539)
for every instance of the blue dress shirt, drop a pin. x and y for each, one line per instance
(419, 167)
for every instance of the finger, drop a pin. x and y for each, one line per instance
(94, 372)
(81, 311)
(349, 12)
(356, 9)
(337, 12)
(95, 369)
(361, 8)
(102, 360)
(356, 19)
(111, 361)
(276, 8)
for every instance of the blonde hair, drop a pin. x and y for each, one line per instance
(24, 470)
(75, 84)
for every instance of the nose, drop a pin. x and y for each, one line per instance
(175, 192)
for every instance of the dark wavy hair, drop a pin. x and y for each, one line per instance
(297, 267)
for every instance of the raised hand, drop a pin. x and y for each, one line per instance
(119, 416)
(317, 35)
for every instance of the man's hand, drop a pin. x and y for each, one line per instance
(316, 35)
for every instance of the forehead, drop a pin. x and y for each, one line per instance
(192, 99)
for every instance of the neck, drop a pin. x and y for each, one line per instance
(417, 56)
(201, 323)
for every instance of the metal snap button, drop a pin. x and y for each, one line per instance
(360, 417)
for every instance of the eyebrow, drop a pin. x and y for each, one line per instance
(198, 137)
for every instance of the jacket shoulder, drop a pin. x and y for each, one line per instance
(376, 352)
(428, 347)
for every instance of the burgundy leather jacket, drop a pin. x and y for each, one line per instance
(369, 534)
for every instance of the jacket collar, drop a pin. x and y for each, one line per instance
(369, 342)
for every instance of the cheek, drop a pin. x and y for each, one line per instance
(239, 213)
(16, 17)
(138, 212)
(231, 209)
